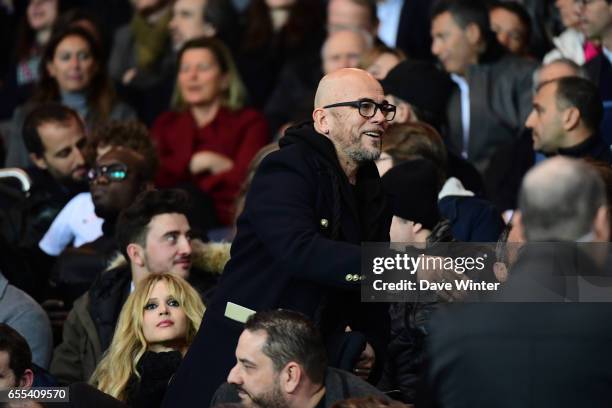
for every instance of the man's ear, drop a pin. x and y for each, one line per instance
(291, 377)
(601, 225)
(26, 379)
(571, 118)
(38, 161)
(321, 120)
(473, 34)
(136, 254)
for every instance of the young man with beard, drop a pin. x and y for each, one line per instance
(281, 363)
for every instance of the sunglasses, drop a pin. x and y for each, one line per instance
(113, 172)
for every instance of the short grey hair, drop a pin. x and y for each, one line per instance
(579, 70)
(559, 200)
(367, 38)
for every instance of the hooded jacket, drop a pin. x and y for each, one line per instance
(90, 326)
(297, 247)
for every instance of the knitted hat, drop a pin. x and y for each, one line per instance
(421, 84)
(412, 192)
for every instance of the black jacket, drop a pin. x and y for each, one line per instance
(297, 247)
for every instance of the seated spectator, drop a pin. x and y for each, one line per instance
(77, 223)
(492, 98)
(421, 92)
(155, 328)
(571, 43)
(15, 360)
(154, 236)
(281, 361)
(71, 72)
(380, 59)
(33, 33)
(275, 34)
(211, 140)
(142, 60)
(54, 137)
(344, 48)
(511, 23)
(24, 314)
(596, 17)
(472, 219)
(87, 19)
(565, 119)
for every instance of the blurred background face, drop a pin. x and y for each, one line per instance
(343, 49)
(273, 4)
(509, 30)
(187, 21)
(73, 65)
(164, 321)
(596, 17)
(200, 78)
(382, 65)
(147, 7)
(42, 14)
(451, 45)
(568, 10)
(343, 14)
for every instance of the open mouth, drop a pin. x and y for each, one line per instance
(376, 134)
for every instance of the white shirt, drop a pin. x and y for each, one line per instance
(389, 12)
(77, 223)
(465, 111)
(607, 53)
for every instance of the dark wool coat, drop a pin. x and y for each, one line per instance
(297, 247)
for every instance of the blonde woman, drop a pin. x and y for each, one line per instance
(156, 326)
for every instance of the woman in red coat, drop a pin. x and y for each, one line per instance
(211, 139)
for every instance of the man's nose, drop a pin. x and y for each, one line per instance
(234, 377)
(529, 121)
(184, 245)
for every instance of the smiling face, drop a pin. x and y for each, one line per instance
(73, 65)
(200, 78)
(164, 321)
(455, 47)
(254, 376)
(168, 245)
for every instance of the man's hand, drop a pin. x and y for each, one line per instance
(364, 366)
(401, 230)
(208, 161)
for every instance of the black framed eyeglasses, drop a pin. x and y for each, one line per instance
(367, 108)
(112, 172)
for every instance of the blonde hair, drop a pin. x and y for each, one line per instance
(128, 345)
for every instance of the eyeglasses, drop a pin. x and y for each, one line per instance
(367, 108)
(113, 172)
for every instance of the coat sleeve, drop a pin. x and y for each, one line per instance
(281, 209)
(67, 363)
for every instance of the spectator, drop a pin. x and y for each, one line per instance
(380, 59)
(276, 33)
(24, 314)
(154, 237)
(283, 344)
(15, 360)
(492, 99)
(156, 325)
(285, 226)
(597, 23)
(211, 140)
(511, 22)
(343, 49)
(562, 200)
(72, 72)
(571, 42)
(565, 119)
(33, 33)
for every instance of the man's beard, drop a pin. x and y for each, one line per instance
(359, 154)
(271, 399)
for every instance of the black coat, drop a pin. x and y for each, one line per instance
(297, 247)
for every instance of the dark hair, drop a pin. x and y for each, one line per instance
(13, 343)
(73, 16)
(131, 134)
(466, 12)
(291, 336)
(518, 10)
(305, 16)
(368, 402)
(100, 94)
(584, 96)
(133, 222)
(26, 36)
(235, 95)
(41, 114)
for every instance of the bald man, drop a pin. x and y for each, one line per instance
(310, 206)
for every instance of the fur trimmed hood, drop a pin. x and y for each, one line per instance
(210, 257)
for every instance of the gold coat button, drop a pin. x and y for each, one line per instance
(324, 222)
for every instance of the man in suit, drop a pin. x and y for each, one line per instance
(309, 207)
(546, 354)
